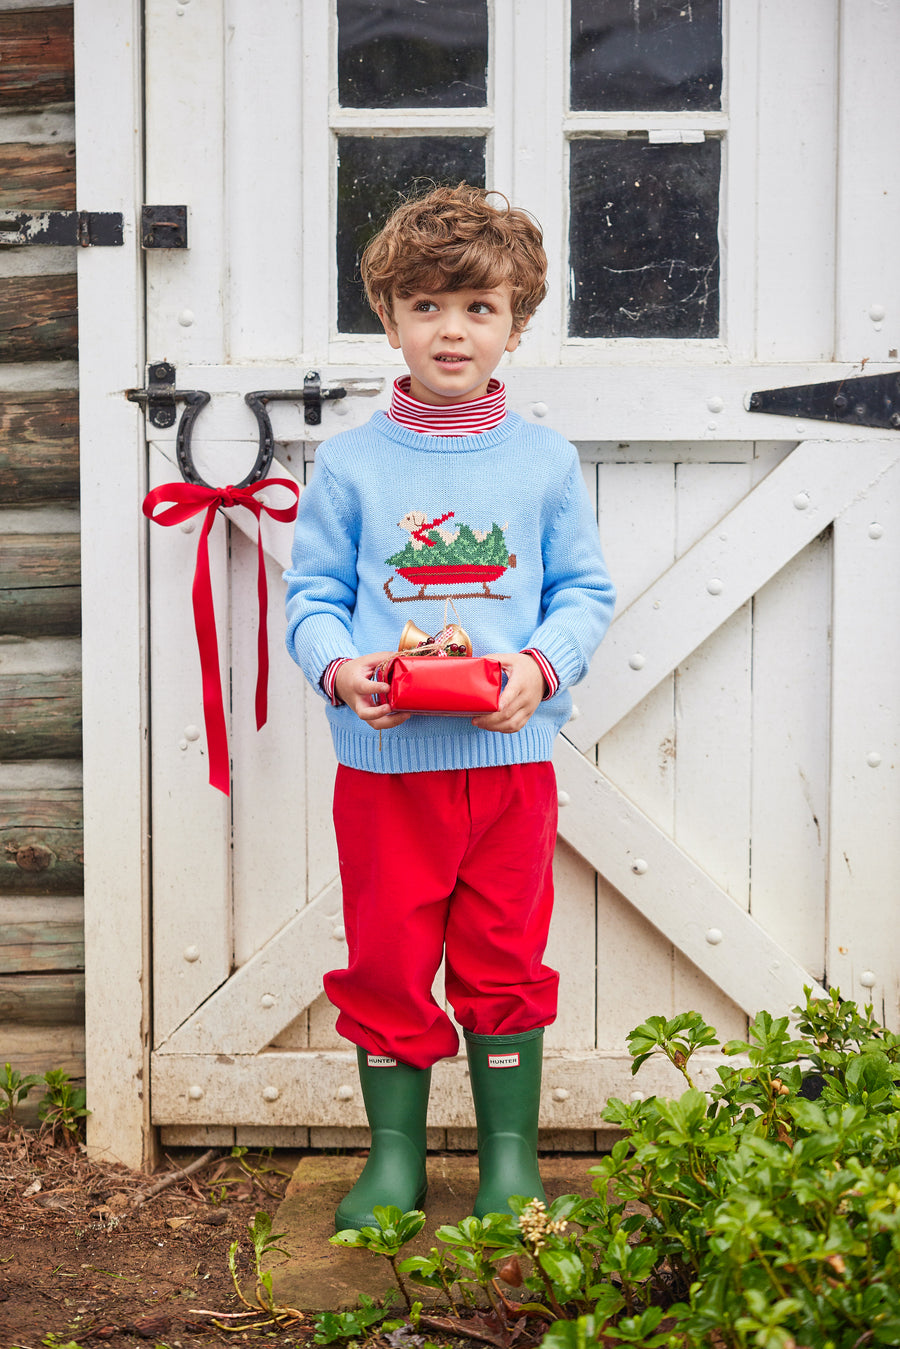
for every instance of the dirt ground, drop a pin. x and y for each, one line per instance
(83, 1262)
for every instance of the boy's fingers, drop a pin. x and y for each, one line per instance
(385, 721)
(501, 720)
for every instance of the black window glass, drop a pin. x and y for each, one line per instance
(373, 173)
(643, 239)
(412, 53)
(654, 55)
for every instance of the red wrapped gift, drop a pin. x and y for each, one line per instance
(463, 686)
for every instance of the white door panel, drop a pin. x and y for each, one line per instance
(723, 717)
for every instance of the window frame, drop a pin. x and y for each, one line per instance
(528, 129)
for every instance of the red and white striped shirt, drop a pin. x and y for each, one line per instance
(455, 419)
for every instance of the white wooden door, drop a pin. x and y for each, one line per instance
(729, 786)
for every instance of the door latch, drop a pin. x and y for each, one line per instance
(161, 397)
(164, 227)
(311, 396)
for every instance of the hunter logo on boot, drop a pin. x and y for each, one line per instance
(380, 1061)
(503, 1060)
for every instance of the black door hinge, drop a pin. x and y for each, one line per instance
(65, 229)
(868, 400)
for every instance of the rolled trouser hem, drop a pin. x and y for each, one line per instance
(424, 1052)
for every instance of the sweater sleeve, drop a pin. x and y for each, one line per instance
(577, 596)
(322, 580)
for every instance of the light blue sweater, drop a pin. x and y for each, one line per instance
(548, 587)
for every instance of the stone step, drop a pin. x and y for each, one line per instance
(317, 1276)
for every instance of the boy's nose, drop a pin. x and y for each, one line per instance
(454, 326)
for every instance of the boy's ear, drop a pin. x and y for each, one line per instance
(389, 327)
(514, 339)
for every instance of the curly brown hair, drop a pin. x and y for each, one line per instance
(452, 238)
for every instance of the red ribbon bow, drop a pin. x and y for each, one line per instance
(189, 499)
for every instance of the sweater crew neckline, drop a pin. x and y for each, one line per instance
(444, 444)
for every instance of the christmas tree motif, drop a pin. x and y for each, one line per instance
(436, 554)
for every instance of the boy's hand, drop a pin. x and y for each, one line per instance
(354, 686)
(524, 690)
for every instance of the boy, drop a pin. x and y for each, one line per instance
(446, 826)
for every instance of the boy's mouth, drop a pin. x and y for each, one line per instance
(451, 359)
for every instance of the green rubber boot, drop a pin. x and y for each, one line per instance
(505, 1071)
(396, 1101)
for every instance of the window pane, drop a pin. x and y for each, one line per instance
(373, 173)
(412, 53)
(659, 55)
(643, 239)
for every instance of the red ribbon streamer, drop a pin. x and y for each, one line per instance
(188, 499)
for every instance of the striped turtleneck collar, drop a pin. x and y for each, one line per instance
(457, 419)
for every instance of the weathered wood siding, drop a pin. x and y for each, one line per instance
(41, 824)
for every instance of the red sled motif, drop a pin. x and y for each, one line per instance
(464, 686)
(463, 574)
(441, 555)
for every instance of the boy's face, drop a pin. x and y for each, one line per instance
(452, 340)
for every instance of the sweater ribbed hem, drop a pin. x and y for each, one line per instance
(435, 753)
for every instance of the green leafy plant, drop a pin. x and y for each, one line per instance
(13, 1090)
(766, 1209)
(63, 1107)
(264, 1310)
(762, 1214)
(353, 1325)
(394, 1230)
(265, 1243)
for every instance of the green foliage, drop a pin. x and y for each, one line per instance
(764, 1214)
(265, 1242)
(264, 1307)
(332, 1326)
(63, 1107)
(394, 1230)
(13, 1089)
(772, 1215)
(465, 549)
(677, 1038)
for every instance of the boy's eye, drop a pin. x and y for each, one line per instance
(424, 306)
(480, 307)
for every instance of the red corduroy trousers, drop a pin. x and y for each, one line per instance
(454, 864)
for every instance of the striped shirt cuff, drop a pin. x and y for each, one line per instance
(328, 678)
(551, 679)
